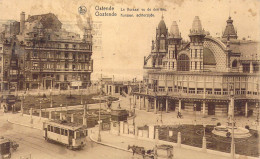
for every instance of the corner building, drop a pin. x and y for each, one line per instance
(202, 75)
(40, 54)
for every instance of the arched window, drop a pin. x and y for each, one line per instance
(183, 63)
(234, 63)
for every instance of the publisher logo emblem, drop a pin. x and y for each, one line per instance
(82, 10)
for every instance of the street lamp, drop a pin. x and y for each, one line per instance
(99, 119)
(257, 116)
(195, 109)
(51, 97)
(232, 121)
(161, 112)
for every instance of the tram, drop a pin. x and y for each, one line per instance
(70, 134)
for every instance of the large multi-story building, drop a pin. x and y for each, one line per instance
(37, 53)
(201, 75)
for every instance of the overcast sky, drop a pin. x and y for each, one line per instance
(126, 41)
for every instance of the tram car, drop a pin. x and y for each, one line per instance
(70, 134)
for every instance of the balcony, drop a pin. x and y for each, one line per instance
(218, 95)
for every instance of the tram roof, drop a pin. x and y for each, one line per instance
(66, 125)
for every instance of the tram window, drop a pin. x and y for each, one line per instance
(66, 132)
(62, 131)
(49, 128)
(57, 130)
(71, 133)
(77, 134)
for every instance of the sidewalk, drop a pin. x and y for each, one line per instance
(122, 142)
(25, 120)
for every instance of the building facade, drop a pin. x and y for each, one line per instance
(202, 75)
(44, 55)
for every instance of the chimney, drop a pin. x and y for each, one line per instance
(22, 22)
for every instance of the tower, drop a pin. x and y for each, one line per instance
(230, 31)
(174, 43)
(196, 35)
(22, 22)
(87, 37)
(161, 43)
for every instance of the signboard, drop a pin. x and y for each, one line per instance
(76, 83)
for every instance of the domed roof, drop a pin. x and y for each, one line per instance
(196, 25)
(174, 30)
(230, 30)
(162, 27)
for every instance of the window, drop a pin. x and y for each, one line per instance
(161, 89)
(49, 128)
(62, 131)
(162, 44)
(66, 132)
(66, 55)
(195, 65)
(57, 77)
(234, 63)
(35, 54)
(170, 89)
(35, 65)
(66, 65)
(66, 46)
(13, 72)
(65, 77)
(183, 63)
(57, 130)
(195, 53)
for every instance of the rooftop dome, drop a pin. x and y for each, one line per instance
(196, 25)
(162, 27)
(230, 30)
(174, 31)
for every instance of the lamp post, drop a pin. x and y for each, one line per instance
(130, 104)
(195, 109)
(40, 109)
(257, 116)
(232, 120)
(99, 121)
(161, 112)
(51, 97)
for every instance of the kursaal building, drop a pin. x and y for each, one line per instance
(38, 53)
(201, 75)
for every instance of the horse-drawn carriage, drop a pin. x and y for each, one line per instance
(159, 152)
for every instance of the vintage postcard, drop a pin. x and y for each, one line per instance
(129, 79)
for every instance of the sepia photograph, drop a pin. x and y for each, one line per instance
(129, 79)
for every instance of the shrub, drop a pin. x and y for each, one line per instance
(207, 130)
(247, 127)
(44, 96)
(228, 134)
(218, 124)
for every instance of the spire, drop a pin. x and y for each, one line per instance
(174, 30)
(162, 27)
(196, 28)
(230, 30)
